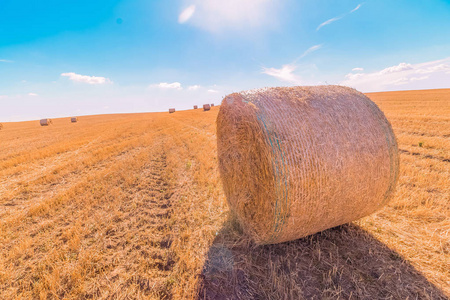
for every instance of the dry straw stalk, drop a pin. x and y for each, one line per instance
(296, 161)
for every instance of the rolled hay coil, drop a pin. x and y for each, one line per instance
(298, 160)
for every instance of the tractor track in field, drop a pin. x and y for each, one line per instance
(146, 215)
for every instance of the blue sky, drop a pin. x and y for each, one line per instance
(79, 57)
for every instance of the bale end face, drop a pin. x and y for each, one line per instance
(296, 161)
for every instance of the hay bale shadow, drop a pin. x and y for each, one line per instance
(345, 262)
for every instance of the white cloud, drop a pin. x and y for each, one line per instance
(433, 74)
(328, 22)
(399, 68)
(193, 87)
(286, 73)
(6, 61)
(186, 14)
(309, 51)
(166, 85)
(419, 78)
(32, 94)
(357, 69)
(86, 79)
(356, 8)
(212, 91)
(217, 15)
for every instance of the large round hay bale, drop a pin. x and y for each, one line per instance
(206, 107)
(171, 110)
(195, 106)
(74, 119)
(296, 161)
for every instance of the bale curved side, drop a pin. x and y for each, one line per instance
(295, 161)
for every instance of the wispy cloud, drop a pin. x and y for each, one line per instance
(433, 74)
(32, 94)
(357, 69)
(356, 8)
(217, 15)
(166, 85)
(86, 79)
(308, 51)
(286, 72)
(212, 91)
(6, 61)
(186, 14)
(329, 21)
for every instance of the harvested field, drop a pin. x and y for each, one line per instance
(132, 206)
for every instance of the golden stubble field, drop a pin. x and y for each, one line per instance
(131, 206)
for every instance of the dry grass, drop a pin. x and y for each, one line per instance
(131, 206)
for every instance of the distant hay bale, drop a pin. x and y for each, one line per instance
(74, 119)
(45, 122)
(206, 107)
(212, 104)
(296, 161)
(195, 106)
(171, 110)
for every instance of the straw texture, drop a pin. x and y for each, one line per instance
(206, 107)
(171, 110)
(74, 119)
(45, 122)
(296, 161)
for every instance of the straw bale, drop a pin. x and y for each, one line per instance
(171, 110)
(296, 161)
(45, 122)
(206, 107)
(74, 119)
(212, 104)
(195, 106)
